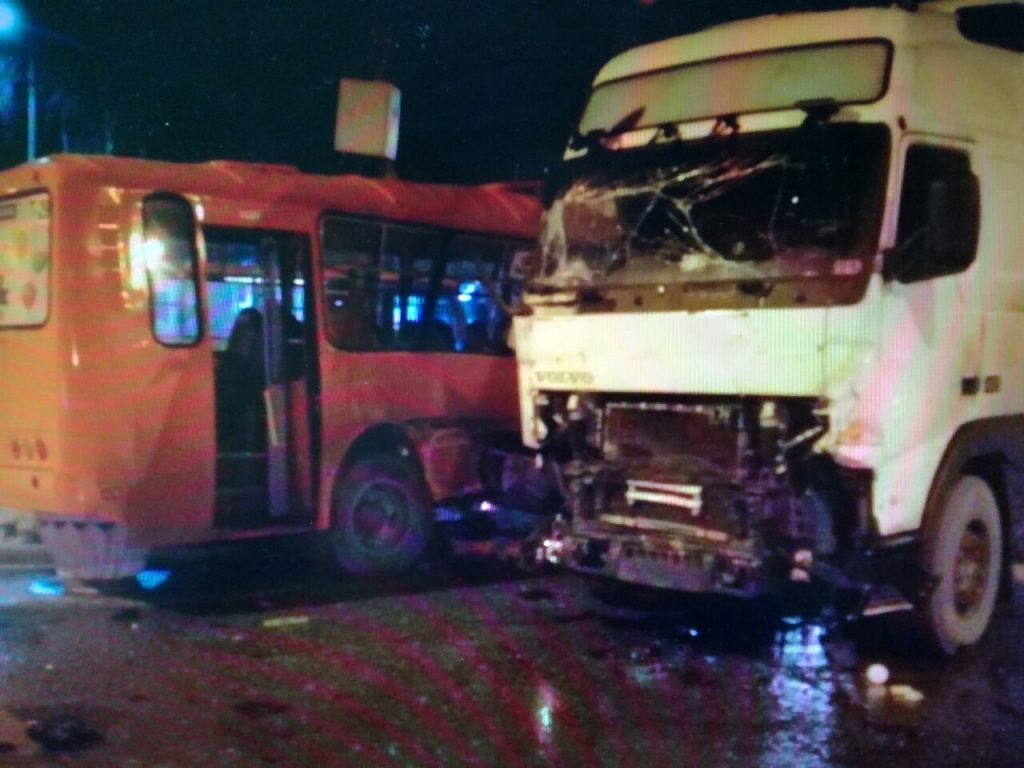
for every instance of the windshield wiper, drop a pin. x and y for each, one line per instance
(594, 139)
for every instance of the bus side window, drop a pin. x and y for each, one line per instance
(408, 302)
(171, 257)
(485, 285)
(351, 255)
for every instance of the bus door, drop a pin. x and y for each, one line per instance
(264, 369)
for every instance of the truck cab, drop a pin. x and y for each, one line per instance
(775, 331)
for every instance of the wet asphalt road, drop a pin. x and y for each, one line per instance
(253, 656)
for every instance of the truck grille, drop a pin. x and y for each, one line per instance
(684, 496)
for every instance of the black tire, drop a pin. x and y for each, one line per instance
(382, 516)
(963, 551)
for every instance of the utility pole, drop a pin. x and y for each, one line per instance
(30, 78)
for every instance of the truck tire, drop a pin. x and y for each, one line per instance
(963, 552)
(382, 516)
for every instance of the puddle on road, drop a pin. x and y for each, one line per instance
(798, 693)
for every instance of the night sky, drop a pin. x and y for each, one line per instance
(489, 89)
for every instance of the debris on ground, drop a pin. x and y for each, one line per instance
(259, 708)
(12, 733)
(64, 733)
(533, 594)
(877, 674)
(131, 615)
(905, 694)
(80, 588)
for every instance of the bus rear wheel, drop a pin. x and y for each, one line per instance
(963, 550)
(382, 516)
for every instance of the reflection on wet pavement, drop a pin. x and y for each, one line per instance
(804, 692)
(467, 664)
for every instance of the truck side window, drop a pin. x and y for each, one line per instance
(171, 256)
(937, 232)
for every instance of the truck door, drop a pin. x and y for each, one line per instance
(933, 264)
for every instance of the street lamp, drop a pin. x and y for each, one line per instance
(10, 24)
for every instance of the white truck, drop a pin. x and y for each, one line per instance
(776, 328)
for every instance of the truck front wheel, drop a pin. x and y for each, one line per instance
(963, 552)
(382, 516)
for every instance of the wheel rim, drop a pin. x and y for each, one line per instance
(970, 569)
(380, 519)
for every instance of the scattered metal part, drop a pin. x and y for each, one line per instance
(259, 708)
(277, 622)
(130, 615)
(906, 694)
(532, 594)
(64, 732)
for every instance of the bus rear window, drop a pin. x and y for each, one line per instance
(24, 260)
(169, 234)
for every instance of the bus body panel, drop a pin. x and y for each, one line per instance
(30, 419)
(129, 453)
(444, 403)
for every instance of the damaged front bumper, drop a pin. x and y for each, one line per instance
(716, 495)
(878, 582)
(693, 560)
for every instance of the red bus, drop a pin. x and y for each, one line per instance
(198, 351)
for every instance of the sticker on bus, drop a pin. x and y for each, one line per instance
(24, 260)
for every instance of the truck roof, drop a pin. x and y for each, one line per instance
(933, 22)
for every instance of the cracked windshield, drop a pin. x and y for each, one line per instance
(780, 206)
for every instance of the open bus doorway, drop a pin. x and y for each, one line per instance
(263, 359)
